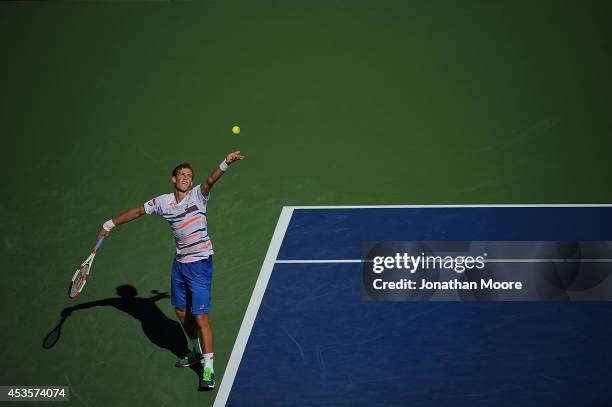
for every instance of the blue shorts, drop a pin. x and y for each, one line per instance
(191, 283)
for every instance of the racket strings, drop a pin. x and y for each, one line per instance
(80, 276)
(79, 281)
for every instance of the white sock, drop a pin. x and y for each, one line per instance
(208, 361)
(196, 345)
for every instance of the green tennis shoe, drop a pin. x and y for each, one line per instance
(208, 379)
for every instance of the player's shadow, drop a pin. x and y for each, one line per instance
(158, 328)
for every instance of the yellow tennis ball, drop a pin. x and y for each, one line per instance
(235, 129)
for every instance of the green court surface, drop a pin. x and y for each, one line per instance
(340, 103)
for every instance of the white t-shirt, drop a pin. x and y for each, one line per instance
(188, 222)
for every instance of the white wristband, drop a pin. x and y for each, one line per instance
(108, 225)
(223, 166)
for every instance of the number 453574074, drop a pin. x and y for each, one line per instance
(32, 392)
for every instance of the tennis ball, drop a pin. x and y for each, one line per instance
(235, 129)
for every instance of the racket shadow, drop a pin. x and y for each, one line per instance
(157, 327)
(53, 337)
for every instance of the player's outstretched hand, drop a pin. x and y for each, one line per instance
(233, 156)
(102, 232)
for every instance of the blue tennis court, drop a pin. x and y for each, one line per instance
(310, 339)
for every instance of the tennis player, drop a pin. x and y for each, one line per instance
(185, 212)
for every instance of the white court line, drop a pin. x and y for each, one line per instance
(253, 307)
(458, 206)
(548, 261)
(316, 261)
(485, 260)
(270, 260)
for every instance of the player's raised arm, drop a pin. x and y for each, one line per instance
(123, 218)
(214, 176)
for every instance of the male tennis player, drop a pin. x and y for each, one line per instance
(185, 211)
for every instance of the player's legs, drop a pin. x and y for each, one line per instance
(187, 322)
(180, 299)
(206, 339)
(200, 284)
(205, 332)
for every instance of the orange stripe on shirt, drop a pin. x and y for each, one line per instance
(190, 221)
(202, 247)
(183, 244)
(191, 236)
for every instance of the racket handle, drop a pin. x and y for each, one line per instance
(99, 244)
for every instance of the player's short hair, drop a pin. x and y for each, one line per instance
(180, 167)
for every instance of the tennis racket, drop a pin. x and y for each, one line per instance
(82, 273)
